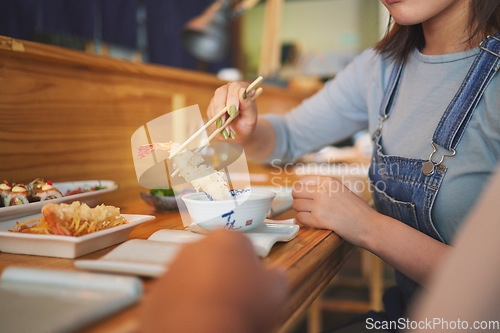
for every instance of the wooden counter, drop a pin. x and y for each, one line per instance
(311, 260)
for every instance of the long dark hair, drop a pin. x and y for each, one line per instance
(400, 40)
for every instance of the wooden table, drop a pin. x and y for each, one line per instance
(311, 259)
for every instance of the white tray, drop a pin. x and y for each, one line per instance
(90, 198)
(151, 257)
(65, 246)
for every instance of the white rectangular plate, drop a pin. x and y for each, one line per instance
(65, 246)
(91, 198)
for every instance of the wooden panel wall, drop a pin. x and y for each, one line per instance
(68, 115)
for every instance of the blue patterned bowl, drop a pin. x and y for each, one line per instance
(245, 210)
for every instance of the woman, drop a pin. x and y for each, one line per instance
(428, 94)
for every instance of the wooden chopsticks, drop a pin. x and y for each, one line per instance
(257, 93)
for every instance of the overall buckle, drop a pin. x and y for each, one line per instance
(428, 167)
(485, 49)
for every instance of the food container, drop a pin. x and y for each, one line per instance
(245, 210)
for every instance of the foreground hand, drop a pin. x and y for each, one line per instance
(215, 285)
(323, 202)
(232, 95)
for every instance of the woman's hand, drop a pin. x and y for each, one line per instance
(323, 202)
(233, 96)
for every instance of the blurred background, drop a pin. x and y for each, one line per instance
(285, 40)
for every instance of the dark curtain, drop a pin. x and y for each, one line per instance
(119, 22)
(165, 20)
(68, 17)
(113, 21)
(18, 18)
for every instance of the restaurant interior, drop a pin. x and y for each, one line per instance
(83, 84)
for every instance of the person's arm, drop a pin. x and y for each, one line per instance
(466, 286)
(215, 285)
(334, 113)
(323, 202)
(408, 250)
(262, 142)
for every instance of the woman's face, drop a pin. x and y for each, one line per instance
(409, 12)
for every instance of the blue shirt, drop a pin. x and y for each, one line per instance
(351, 102)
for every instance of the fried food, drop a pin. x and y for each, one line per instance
(75, 219)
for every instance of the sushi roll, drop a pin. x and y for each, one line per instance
(17, 196)
(41, 190)
(5, 189)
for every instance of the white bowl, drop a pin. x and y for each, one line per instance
(246, 210)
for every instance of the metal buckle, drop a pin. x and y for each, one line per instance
(485, 49)
(379, 127)
(428, 167)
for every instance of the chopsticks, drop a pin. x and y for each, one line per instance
(257, 93)
(198, 132)
(217, 116)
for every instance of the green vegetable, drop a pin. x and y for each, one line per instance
(162, 192)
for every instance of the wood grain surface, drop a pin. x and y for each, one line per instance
(69, 115)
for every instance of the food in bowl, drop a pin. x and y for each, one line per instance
(162, 192)
(192, 168)
(244, 210)
(73, 219)
(161, 198)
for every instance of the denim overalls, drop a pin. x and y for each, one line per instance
(405, 188)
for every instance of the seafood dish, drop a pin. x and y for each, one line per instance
(75, 219)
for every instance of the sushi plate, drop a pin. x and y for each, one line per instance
(65, 246)
(91, 198)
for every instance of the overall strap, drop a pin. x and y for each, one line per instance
(452, 125)
(391, 90)
(388, 99)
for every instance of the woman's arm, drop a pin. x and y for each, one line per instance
(408, 250)
(323, 202)
(334, 113)
(260, 145)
